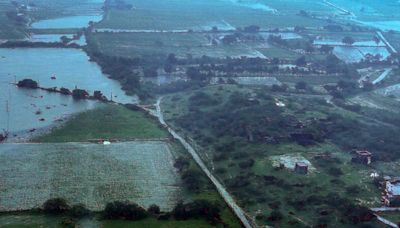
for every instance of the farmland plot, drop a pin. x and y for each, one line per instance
(91, 174)
(186, 14)
(162, 44)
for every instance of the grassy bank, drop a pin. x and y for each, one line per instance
(109, 122)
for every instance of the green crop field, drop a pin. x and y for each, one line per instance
(58, 8)
(162, 44)
(110, 122)
(91, 174)
(173, 14)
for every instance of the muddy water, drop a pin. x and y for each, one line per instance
(30, 109)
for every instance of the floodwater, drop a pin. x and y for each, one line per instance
(51, 38)
(66, 22)
(30, 109)
(356, 54)
(283, 35)
(383, 25)
(254, 5)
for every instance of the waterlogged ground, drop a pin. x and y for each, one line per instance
(37, 109)
(51, 38)
(91, 174)
(66, 22)
(67, 14)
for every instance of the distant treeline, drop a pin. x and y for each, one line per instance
(125, 210)
(28, 44)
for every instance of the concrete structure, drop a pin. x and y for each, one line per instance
(301, 168)
(362, 156)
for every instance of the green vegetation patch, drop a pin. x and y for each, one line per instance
(241, 129)
(109, 122)
(172, 14)
(162, 44)
(10, 27)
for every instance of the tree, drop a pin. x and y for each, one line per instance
(79, 211)
(124, 210)
(301, 85)
(275, 215)
(172, 59)
(229, 39)
(28, 83)
(80, 94)
(150, 72)
(252, 29)
(348, 40)
(301, 61)
(56, 206)
(326, 49)
(169, 68)
(196, 209)
(192, 179)
(154, 209)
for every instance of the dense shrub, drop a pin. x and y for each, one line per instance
(124, 210)
(197, 209)
(79, 211)
(154, 209)
(56, 206)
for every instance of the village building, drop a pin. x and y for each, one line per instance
(391, 194)
(301, 168)
(362, 157)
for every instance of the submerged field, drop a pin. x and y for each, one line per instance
(91, 174)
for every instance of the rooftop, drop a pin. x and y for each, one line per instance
(363, 152)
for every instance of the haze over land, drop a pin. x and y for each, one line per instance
(209, 113)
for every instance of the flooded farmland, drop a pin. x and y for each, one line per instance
(142, 172)
(51, 38)
(66, 22)
(69, 68)
(74, 16)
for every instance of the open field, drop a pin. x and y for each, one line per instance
(173, 14)
(91, 174)
(110, 122)
(162, 44)
(46, 9)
